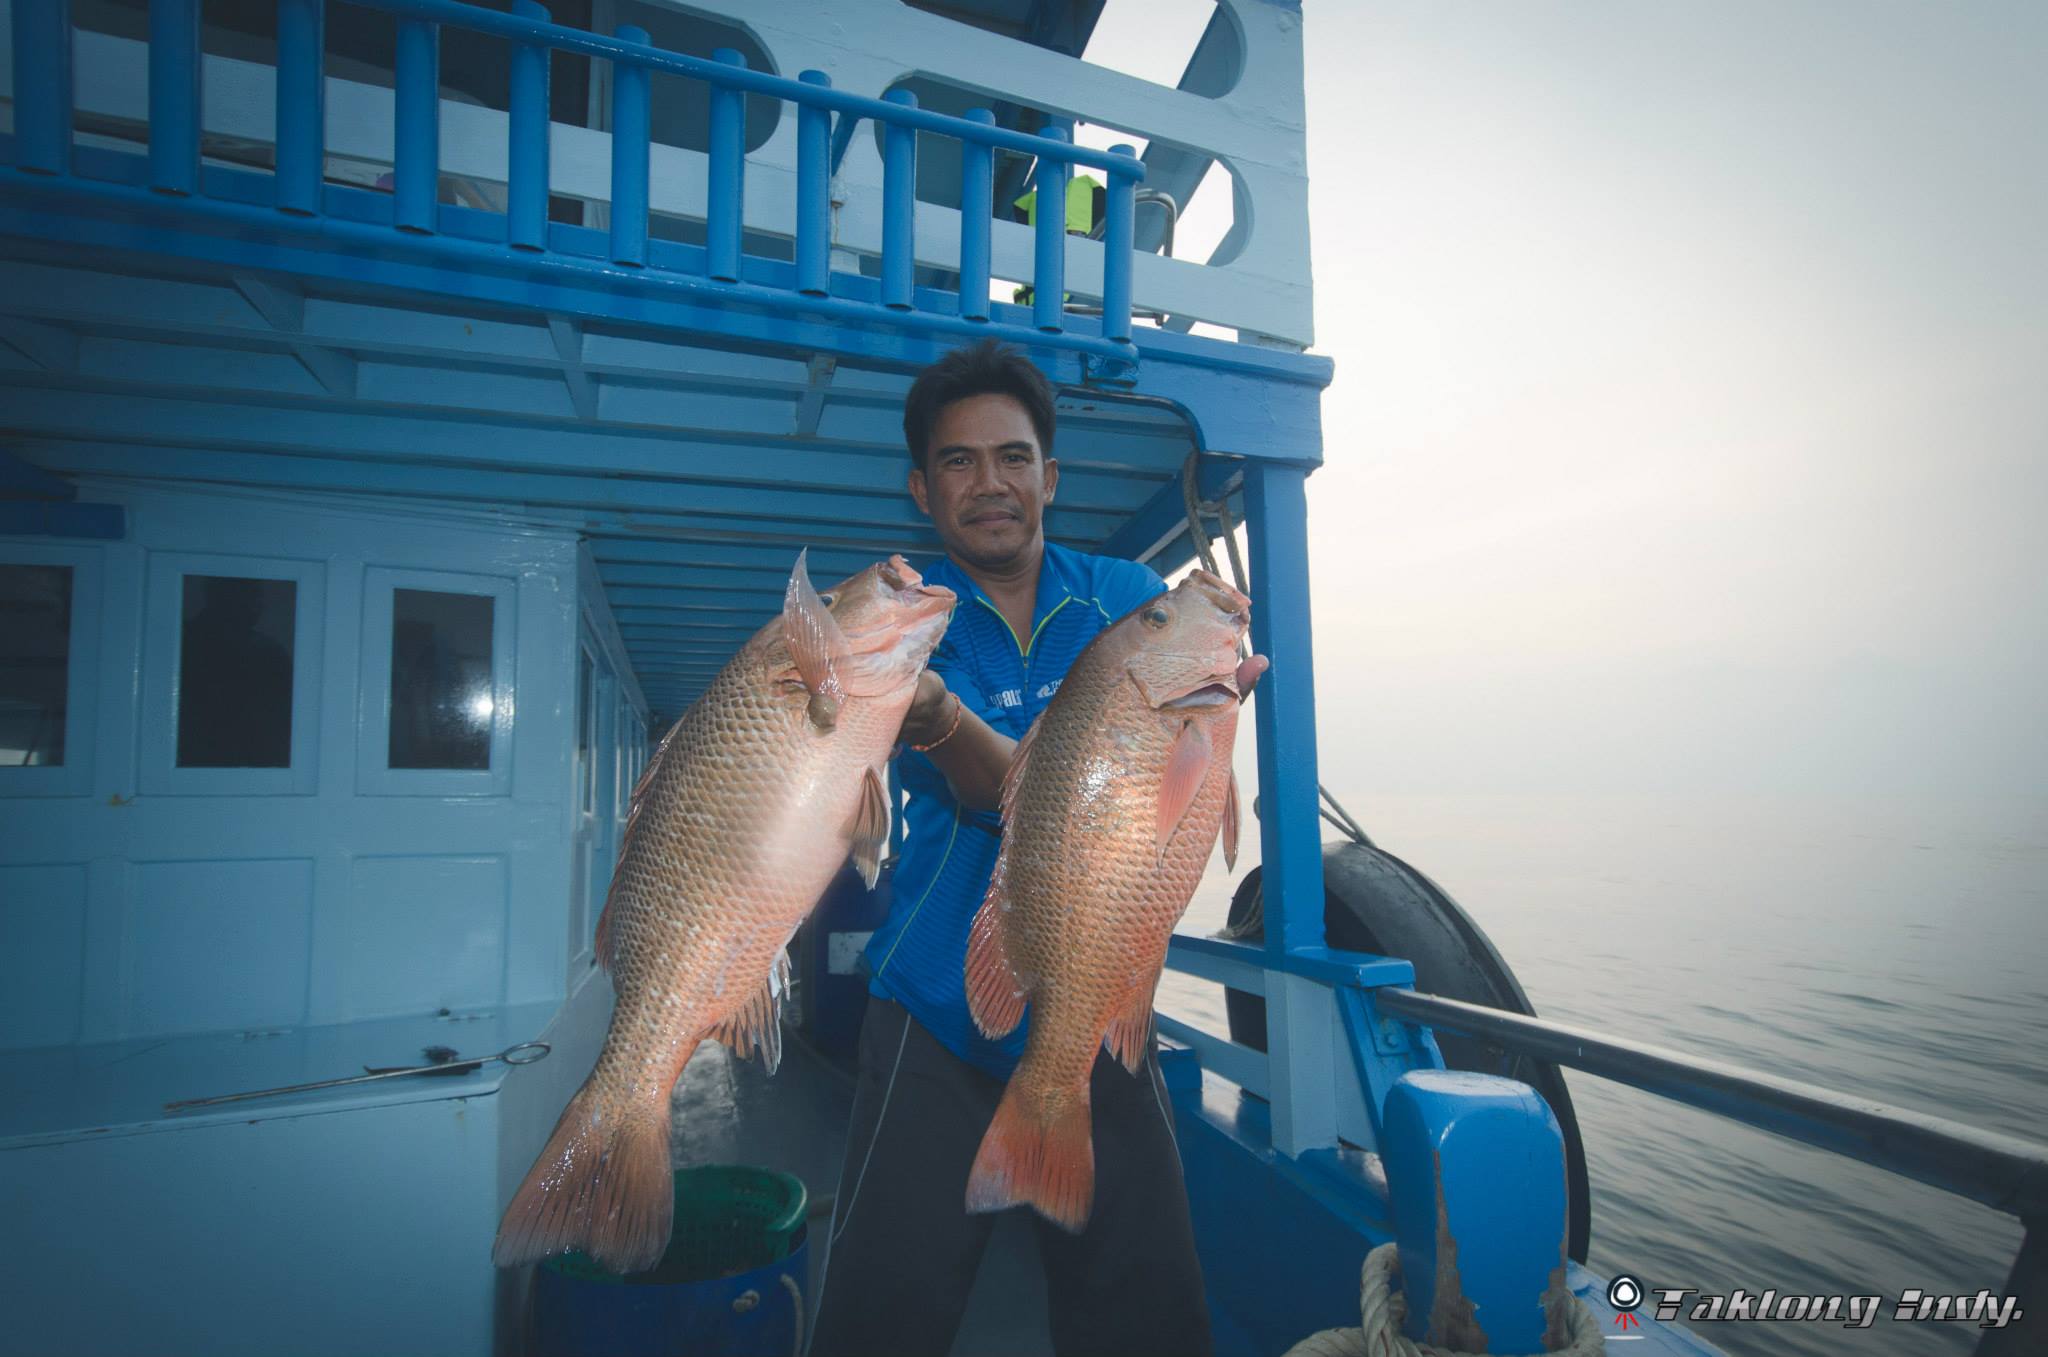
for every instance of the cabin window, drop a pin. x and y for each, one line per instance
(441, 691)
(235, 659)
(437, 676)
(35, 663)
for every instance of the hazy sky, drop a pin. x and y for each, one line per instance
(1690, 426)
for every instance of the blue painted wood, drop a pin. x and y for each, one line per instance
(301, 105)
(813, 193)
(977, 195)
(899, 206)
(72, 778)
(1049, 258)
(61, 518)
(1479, 1246)
(631, 106)
(174, 95)
(24, 478)
(526, 215)
(726, 195)
(416, 156)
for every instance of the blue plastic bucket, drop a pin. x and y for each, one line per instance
(712, 1294)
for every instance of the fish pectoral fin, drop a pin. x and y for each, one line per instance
(1129, 1035)
(995, 992)
(816, 644)
(755, 1027)
(1013, 776)
(870, 827)
(1230, 825)
(1187, 765)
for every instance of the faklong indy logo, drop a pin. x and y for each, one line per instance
(1628, 1294)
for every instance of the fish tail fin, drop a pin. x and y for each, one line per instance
(1039, 1151)
(602, 1185)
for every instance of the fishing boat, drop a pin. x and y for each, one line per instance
(406, 406)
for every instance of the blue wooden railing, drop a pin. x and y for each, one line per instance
(43, 134)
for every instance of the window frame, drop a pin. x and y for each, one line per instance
(157, 772)
(374, 775)
(74, 776)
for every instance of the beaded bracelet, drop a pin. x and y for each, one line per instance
(958, 707)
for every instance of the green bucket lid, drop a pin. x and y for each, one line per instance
(729, 1218)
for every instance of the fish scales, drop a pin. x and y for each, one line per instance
(741, 819)
(1112, 808)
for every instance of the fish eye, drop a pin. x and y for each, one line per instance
(828, 599)
(1156, 616)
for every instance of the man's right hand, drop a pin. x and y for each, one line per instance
(931, 711)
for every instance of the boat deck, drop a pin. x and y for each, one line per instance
(729, 1111)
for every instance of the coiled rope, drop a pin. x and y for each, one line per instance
(1383, 1310)
(1241, 580)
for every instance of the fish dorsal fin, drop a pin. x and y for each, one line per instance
(1230, 825)
(634, 805)
(1187, 764)
(995, 992)
(1013, 776)
(755, 1027)
(870, 827)
(816, 644)
(1129, 1035)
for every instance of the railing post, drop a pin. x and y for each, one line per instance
(174, 96)
(977, 206)
(416, 168)
(42, 85)
(1116, 252)
(814, 192)
(1298, 1011)
(631, 131)
(301, 105)
(1049, 268)
(526, 206)
(899, 206)
(726, 208)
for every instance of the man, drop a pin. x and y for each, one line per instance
(903, 1249)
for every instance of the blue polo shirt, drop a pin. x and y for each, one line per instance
(918, 957)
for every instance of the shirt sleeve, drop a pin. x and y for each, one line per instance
(1122, 585)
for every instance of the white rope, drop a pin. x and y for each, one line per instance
(1382, 1311)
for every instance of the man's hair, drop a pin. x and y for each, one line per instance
(986, 367)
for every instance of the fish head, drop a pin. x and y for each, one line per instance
(892, 621)
(1180, 648)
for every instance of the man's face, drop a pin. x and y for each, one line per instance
(986, 481)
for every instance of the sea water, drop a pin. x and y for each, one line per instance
(1885, 949)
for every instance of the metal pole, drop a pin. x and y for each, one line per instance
(899, 206)
(977, 204)
(813, 192)
(42, 85)
(631, 109)
(416, 170)
(174, 96)
(301, 105)
(526, 211)
(1116, 252)
(725, 210)
(1049, 268)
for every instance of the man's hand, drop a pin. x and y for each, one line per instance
(931, 711)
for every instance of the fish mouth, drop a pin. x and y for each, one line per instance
(923, 600)
(1216, 693)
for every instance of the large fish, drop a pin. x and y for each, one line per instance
(1110, 810)
(742, 817)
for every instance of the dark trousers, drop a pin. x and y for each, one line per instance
(905, 1251)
